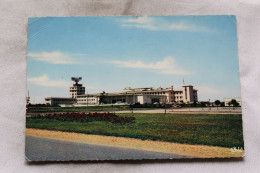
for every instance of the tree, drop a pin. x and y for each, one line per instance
(234, 103)
(102, 97)
(217, 103)
(203, 104)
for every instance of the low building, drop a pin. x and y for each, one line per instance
(55, 101)
(128, 95)
(228, 100)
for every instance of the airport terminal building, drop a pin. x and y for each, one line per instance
(128, 95)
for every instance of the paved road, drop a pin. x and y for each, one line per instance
(40, 149)
(214, 110)
(188, 111)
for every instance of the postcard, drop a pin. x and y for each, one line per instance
(133, 87)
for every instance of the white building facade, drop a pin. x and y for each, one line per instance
(76, 90)
(128, 95)
(55, 101)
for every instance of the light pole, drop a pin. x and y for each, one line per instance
(209, 105)
(164, 104)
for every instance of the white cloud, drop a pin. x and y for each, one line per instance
(54, 57)
(45, 81)
(167, 66)
(155, 23)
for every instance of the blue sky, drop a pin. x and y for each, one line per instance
(111, 53)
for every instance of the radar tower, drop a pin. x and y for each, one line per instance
(76, 79)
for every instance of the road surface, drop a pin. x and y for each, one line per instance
(187, 111)
(171, 111)
(41, 149)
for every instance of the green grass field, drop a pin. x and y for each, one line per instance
(205, 129)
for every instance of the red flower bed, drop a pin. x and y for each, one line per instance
(86, 117)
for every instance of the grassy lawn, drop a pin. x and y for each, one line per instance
(205, 129)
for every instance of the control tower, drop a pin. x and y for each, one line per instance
(76, 89)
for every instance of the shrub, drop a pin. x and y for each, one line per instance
(86, 117)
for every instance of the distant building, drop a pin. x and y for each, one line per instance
(54, 101)
(227, 100)
(129, 95)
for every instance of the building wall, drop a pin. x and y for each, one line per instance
(188, 94)
(87, 99)
(195, 95)
(141, 99)
(53, 101)
(178, 96)
(76, 89)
